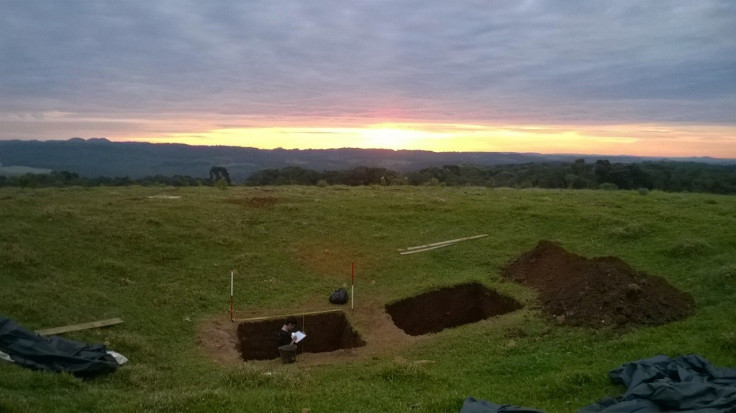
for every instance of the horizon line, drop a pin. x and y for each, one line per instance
(107, 140)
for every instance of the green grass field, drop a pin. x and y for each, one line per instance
(71, 255)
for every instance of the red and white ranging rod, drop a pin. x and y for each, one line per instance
(352, 285)
(231, 295)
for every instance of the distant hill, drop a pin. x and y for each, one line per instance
(101, 157)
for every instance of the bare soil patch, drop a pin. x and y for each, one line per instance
(256, 202)
(437, 310)
(366, 332)
(597, 292)
(218, 340)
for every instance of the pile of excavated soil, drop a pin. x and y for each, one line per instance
(598, 292)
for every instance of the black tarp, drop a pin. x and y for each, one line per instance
(55, 354)
(662, 384)
(472, 405)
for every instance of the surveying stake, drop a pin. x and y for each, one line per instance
(352, 285)
(231, 295)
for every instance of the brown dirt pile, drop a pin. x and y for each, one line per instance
(598, 292)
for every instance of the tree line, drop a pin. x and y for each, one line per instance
(662, 175)
(219, 176)
(66, 178)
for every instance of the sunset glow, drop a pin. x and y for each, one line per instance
(639, 140)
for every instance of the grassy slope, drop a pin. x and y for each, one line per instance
(74, 255)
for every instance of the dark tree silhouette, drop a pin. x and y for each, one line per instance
(218, 172)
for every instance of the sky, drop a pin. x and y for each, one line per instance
(624, 77)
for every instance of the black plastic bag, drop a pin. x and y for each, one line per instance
(339, 296)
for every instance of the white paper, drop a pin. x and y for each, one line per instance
(6, 357)
(299, 336)
(121, 359)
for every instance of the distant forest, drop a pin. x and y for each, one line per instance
(664, 176)
(602, 174)
(66, 178)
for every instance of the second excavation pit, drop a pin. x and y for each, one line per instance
(454, 306)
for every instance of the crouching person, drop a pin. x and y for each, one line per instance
(287, 341)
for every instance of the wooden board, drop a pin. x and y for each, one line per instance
(77, 327)
(426, 249)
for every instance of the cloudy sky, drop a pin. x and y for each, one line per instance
(606, 77)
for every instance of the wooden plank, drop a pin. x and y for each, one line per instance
(440, 244)
(78, 327)
(452, 241)
(426, 249)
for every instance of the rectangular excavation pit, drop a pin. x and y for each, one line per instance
(437, 310)
(326, 331)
